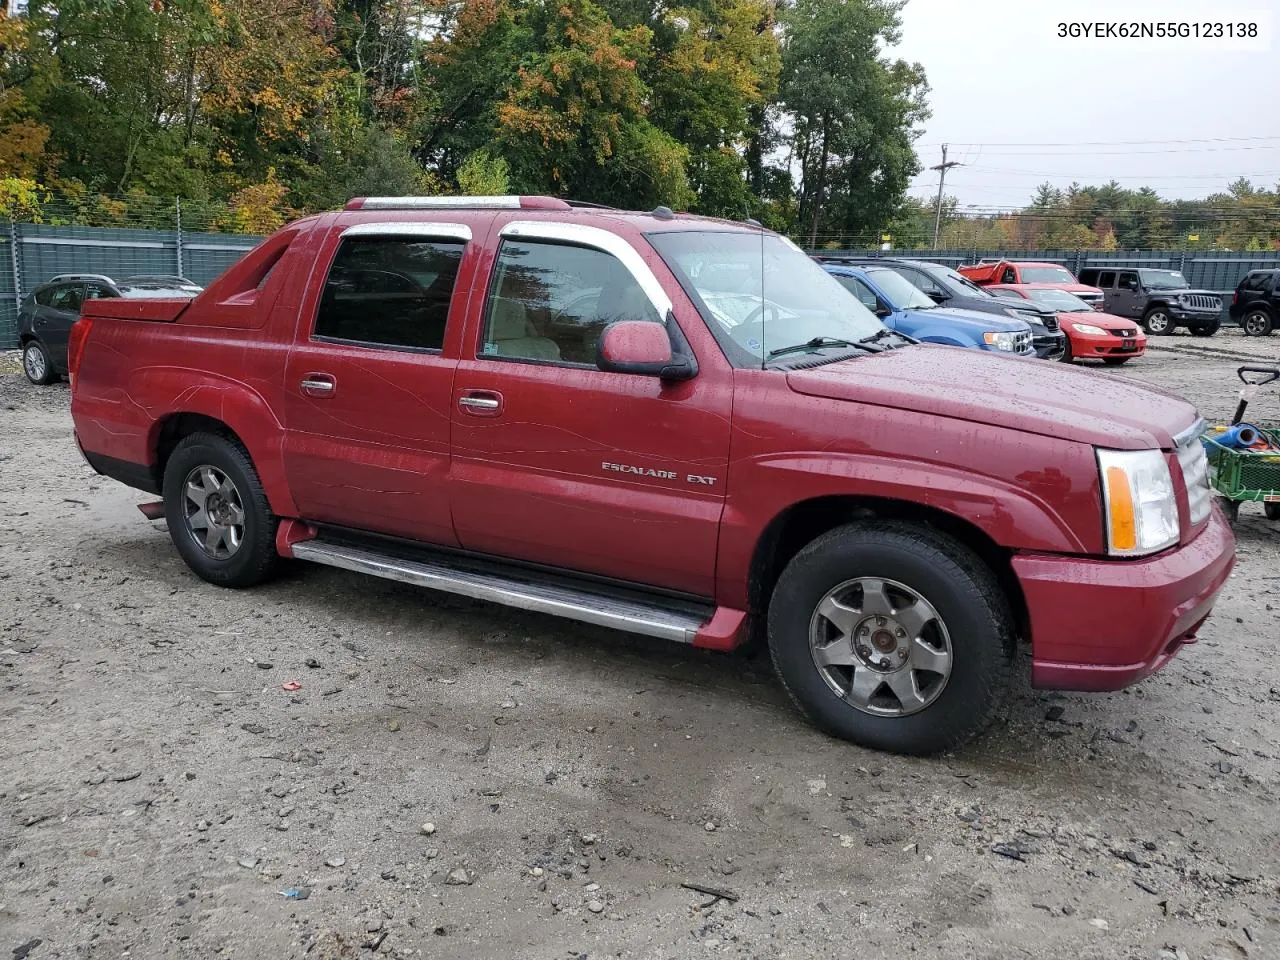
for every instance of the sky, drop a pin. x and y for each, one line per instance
(1020, 106)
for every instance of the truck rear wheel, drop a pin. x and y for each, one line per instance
(1257, 323)
(893, 636)
(217, 513)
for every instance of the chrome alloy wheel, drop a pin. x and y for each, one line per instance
(214, 512)
(880, 646)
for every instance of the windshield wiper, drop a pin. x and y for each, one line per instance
(879, 335)
(818, 342)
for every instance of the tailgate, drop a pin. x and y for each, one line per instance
(123, 308)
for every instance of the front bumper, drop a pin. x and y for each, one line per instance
(1050, 346)
(1197, 318)
(1084, 346)
(1105, 624)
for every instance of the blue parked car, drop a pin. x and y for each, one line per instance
(906, 309)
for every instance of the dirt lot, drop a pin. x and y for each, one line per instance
(158, 788)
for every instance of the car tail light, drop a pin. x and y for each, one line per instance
(1235, 297)
(75, 345)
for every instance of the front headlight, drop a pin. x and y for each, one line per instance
(1139, 508)
(1000, 339)
(1088, 329)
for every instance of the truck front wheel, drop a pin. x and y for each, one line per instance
(217, 512)
(893, 636)
(1157, 322)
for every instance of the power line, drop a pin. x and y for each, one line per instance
(1109, 143)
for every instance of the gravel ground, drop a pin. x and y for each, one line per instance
(159, 789)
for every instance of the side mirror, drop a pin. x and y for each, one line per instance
(643, 347)
(883, 312)
(937, 296)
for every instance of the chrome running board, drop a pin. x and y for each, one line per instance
(521, 588)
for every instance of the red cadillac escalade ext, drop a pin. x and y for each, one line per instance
(672, 425)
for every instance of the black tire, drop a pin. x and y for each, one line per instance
(1157, 322)
(254, 560)
(1231, 508)
(962, 590)
(1207, 330)
(1257, 323)
(37, 364)
(1116, 361)
(1272, 510)
(1066, 352)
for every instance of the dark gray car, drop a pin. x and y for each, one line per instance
(51, 309)
(1161, 300)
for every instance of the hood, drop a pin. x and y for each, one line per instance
(1099, 319)
(1051, 399)
(1026, 306)
(1185, 292)
(958, 316)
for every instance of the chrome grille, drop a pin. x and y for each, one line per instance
(1195, 470)
(1120, 332)
(1022, 342)
(1200, 301)
(1051, 324)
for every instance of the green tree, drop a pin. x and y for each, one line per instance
(853, 111)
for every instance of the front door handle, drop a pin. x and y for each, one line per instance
(318, 385)
(481, 403)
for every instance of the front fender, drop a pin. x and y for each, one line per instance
(1041, 512)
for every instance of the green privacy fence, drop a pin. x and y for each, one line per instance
(31, 254)
(1218, 271)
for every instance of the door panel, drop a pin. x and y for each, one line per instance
(53, 323)
(613, 474)
(368, 387)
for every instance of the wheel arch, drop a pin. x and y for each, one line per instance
(802, 522)
(167, 432)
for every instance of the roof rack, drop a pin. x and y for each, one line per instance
(79, 276)
(589, 205)
(458, 203)
(166, 277)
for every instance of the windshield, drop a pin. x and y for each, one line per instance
(1060, 300)
(1046, 275)
(758, 293)
(954, 283)
(1163, 280)
(900, 292)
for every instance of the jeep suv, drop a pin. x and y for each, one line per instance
(1256, 303)
(1161, 299)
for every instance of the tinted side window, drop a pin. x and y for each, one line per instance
(67, 298)
(861, 291)
(1127, 280)
(95, 291)
(389, 291)
(1107, 279)
(44, 296)
(549, 301)
(921, 280)
(1008, 276)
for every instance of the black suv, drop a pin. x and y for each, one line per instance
(1161, 300)
(1256, 303)
(945, 286)
(46, 316)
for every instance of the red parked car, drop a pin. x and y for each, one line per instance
(1090, 333)
(665, 424)
(988, 273)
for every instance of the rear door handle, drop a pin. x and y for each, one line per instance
(318, 385)
(481, 403)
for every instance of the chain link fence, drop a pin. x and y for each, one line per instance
(34, 253)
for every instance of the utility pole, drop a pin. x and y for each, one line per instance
(942, 169)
